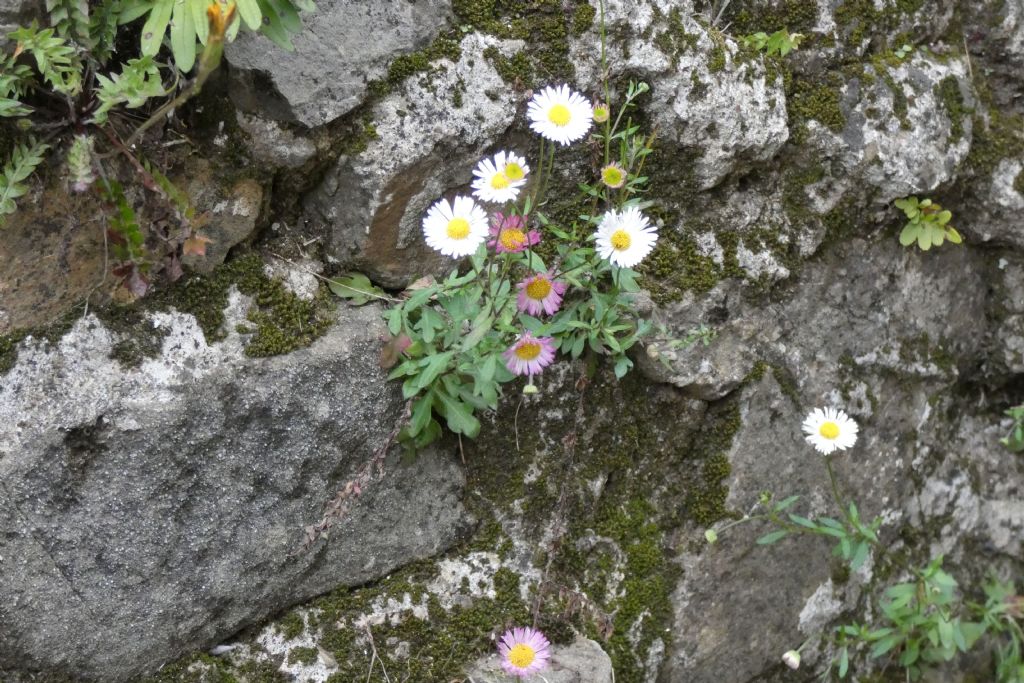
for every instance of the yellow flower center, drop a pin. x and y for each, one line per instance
(829, 430)
(458, 228)
(527, 351)
(514, 171)
(499, 181)
(521, 655)
(611, 176)
(512, 238)
(538, 289)
(559, 115)
(620, 240)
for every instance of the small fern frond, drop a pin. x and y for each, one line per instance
(24, 160)
(57, 61)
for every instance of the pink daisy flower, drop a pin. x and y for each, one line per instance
(540, 293)
(529, 355)
(524, 651)
(510, 234)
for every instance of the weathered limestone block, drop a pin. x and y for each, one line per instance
(430, 134)
(149, 512)
(905, 130)
(344, 45)
(725, 112)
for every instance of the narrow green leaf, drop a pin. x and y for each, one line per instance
(156, 26)
(772, 537)
(183, 37)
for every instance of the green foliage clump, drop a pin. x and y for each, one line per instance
(780, 43)
(133, 87)
(928, 224)
(926, 622)
(1014, 440)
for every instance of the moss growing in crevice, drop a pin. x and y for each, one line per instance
(806, 100)
(948, 92)
(1018, 182)
(798, 16)
(675, 267)
(545, 24)
(422, 61)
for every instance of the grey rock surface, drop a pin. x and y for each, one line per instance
(727, 114)
(153, 511)
(345, 45)
(371, 204)
(582, 661)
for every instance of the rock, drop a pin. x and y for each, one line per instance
(51, 255)
(903, 130)
(582, 661)
(430, 134)
(343, 47)
(153, 511)
(273, 146)
(726, 113)
(229, 213)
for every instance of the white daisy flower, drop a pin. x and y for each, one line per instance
(830, 430)
(493, 184)
(560, 115)
(455, 229)
(512, 165)
(625, 238)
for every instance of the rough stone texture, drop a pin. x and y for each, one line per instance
(273, 146)
(51, 256)
(148, 512)
(229, 214)
(835, 311)
(727, 114)
(582, 661)
(371, 204)
(899, 156)
(345, 45)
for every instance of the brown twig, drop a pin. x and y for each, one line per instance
(558, 525)
(371, 471)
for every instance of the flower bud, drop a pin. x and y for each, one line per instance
(530, 389)
(711, 536)
(601, 112)
(791, 659)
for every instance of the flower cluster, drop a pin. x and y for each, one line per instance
(623, 236)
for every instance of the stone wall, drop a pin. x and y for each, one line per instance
(154, 501)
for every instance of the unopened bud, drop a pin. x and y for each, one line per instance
(711, 536)
(791, 659)
(530, 389)
(601, 112)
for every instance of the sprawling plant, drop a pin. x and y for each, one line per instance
(535, 286)
(65, 89)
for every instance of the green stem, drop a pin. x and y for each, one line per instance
(835, 493)
(607, 90)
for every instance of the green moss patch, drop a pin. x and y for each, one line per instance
(280, 321)
(546, 25)
(806, 100)
(611, 572)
